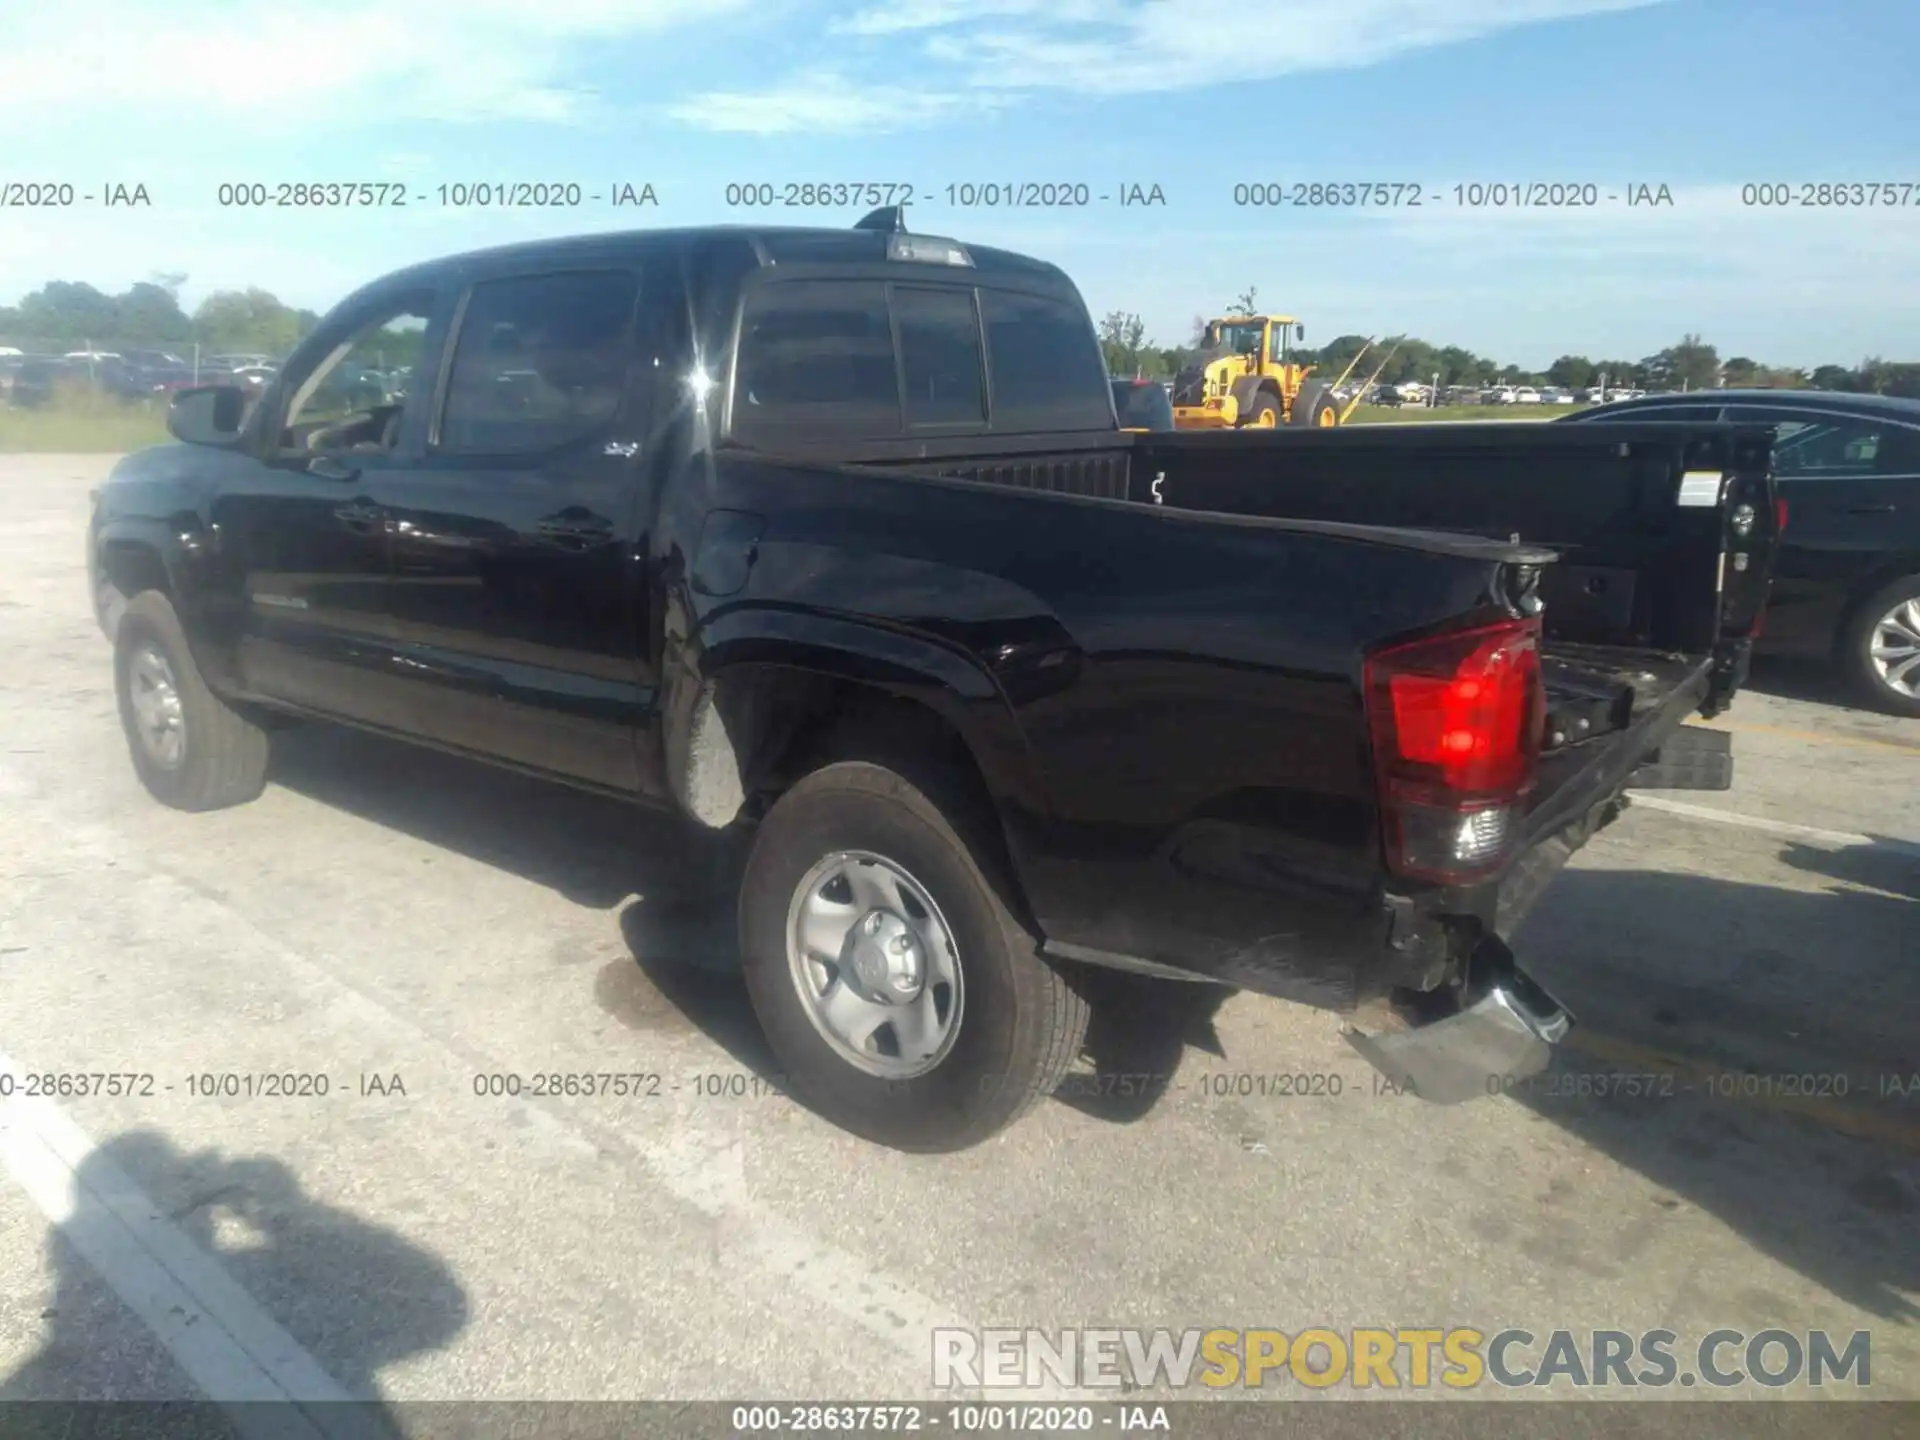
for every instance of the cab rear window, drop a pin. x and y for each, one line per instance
(881, 359)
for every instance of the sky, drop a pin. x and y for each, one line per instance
(1708, 98)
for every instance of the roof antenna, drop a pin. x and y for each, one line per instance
(889, 218)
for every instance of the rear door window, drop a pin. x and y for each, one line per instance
(1048, 373)
(1688, 413)
(1625, 413)
(1811, 447)
(1899, 452)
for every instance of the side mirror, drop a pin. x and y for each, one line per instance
(1299, 332)
(207, 415)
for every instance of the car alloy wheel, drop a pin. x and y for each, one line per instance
(1893, 648)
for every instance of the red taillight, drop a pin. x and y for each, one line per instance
(1455, 721)
(1779, 517)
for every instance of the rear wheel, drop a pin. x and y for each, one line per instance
(1880, 647)
(190, 748)
(901, 995)
(1315, 406)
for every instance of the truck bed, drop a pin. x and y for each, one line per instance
(1642, 615)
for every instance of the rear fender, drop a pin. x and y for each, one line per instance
(760, 676)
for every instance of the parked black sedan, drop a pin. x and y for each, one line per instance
(1847, 585)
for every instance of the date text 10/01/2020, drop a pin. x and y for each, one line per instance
(1016, 1418)
(962, 194)
(1471, 195)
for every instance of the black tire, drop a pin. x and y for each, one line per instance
(222, 759)
(1856, 648)
(1021, 1022)
(1314, 406)
(1266, 411)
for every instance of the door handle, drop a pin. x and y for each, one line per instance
(574, 530)
(1871, 509)
(360, 515)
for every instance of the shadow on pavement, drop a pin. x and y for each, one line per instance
(1732, 976)
(1880, 866)
(601, 852)
(1792, 1023)
(356, 1296)
(596, 851)
(1140, 1031)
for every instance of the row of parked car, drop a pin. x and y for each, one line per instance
(32, 380)
(1498, 395)
(29, 380)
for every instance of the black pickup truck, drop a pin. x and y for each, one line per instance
(830, 541)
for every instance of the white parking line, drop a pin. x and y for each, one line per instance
(228, 1345)
(1773, 827)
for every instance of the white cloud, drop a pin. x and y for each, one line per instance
(345, 59)
(821, 102)
(1123, 47)
(895, 63)
(909, 16)
(1155, 45)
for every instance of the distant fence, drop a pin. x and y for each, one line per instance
(42, 346)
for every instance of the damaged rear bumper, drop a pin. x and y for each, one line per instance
(1499, 1027)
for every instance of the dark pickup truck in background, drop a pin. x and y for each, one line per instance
(830, 541)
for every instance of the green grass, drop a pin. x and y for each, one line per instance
(95, 425)
(74, 425)
(1422, 415)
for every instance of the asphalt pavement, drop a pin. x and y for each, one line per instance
(393, 933)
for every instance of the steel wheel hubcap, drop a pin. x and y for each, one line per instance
(157, 716)
(875, 965)
(1894, 648)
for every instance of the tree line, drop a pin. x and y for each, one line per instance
(65, 315)
(1690, 364)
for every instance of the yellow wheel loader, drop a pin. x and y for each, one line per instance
(1245, 377)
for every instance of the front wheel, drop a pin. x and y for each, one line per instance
(897, 989)
(190, 748)
(1881, 647)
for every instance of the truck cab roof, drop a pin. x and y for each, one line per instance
(852, 250)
